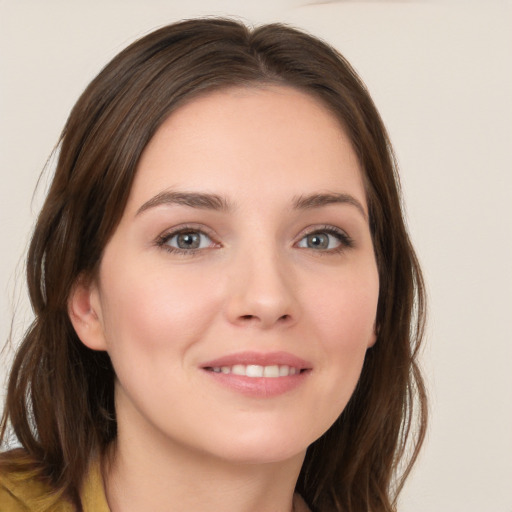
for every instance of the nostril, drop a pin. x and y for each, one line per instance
(252, 318)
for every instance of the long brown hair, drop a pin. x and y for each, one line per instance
(60, 400)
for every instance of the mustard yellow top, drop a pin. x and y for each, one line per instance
(18, 494)
(28, 495)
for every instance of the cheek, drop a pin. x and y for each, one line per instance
(149, 312)
(345, 318)
(346, 310)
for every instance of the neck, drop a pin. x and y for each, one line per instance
(150, 472)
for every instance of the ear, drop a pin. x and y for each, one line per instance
(84, 310)
(373, 337)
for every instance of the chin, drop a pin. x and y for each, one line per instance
(262, 447)
(263, 454)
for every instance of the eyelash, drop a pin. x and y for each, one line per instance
(163, 239)
(345, 241)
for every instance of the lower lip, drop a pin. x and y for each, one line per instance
(259, 387)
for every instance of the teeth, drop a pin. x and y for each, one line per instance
(255, 370)
(271, 371)
(284, 371)
(238, 369)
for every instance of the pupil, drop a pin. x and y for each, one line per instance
(318, 241)
(188, 241)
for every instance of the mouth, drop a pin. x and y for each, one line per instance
(260, 375)
(256, 370)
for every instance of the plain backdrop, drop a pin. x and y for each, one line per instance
(441, 75)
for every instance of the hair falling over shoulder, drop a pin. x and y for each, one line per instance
(60, 397)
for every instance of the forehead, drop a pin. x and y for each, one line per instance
(265, 138)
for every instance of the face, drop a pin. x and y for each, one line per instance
(237, 296)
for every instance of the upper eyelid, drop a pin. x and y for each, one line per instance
(188, 227)
(169, 233)
(322, 228)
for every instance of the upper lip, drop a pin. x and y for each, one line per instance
(258, 358)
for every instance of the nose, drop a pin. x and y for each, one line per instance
(262, 291)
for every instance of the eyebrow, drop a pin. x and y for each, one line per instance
(319, 200)
(215, 202)
(191, 199)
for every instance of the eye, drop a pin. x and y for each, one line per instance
(326, 239)
(185, 241)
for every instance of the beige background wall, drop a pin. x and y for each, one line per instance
(441, 74)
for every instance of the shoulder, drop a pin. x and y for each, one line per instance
(23, 492)
(15, 495)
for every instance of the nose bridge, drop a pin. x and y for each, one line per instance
(262, 290)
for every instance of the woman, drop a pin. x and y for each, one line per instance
(223, 289)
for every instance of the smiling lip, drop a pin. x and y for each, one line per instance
(260, 375)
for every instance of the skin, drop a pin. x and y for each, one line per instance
(257, 283)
